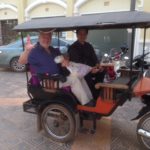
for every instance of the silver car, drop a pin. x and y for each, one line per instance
(9, 54)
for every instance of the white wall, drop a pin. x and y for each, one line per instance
(6, 14)
(47, 10)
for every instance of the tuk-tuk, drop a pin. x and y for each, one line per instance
(58, 111)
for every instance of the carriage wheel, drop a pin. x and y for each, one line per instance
(58, 122)
(143, 131)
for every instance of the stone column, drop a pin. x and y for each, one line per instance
(1, 39)
(69, 12)
(21, 10)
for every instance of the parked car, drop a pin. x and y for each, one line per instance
(9, 54)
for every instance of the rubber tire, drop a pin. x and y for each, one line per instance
(12, 66)
(147, 74)
(139, 126)
(71, 135)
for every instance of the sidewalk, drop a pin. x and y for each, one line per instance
(18, 131)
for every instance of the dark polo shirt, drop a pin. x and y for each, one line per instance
(82, 53)
(42, 61)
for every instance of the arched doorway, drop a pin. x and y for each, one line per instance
(45, 8)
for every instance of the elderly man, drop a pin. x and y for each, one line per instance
(41, 59)
(83, 52)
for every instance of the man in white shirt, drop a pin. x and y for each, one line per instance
(77, 73)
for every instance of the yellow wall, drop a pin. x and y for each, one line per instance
(30, 1)
(98, 6)
(147, 5)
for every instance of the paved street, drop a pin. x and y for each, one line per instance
(18, 129)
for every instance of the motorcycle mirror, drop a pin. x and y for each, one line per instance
(126, 57)
(105, 55)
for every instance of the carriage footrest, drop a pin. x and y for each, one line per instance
(30, 107)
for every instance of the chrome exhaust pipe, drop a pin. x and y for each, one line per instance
(144, 133)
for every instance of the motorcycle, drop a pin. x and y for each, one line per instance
(139, 61)
(118, 59)
(143, 127)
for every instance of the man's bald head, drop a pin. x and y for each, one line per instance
(45, 39)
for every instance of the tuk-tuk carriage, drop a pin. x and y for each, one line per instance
(58, 111)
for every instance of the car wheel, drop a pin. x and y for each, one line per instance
(15, 66)
(58, 122)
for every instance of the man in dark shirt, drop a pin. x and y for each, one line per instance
(83, 52)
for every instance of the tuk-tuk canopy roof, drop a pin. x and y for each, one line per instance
(126, 19)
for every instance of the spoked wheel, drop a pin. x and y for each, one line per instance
(143, 131)
(15, 66)
(58, 122)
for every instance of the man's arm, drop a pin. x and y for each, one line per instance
(23, 59)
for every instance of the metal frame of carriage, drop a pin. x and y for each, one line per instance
(130, 84)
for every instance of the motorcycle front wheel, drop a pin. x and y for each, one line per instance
(143, 132)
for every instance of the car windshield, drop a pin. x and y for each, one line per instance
(13, 44)
(34, 40)
(18, 43)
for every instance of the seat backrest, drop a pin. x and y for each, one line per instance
(110, 91)
(34, 80)
(126, 72)
(108, 94)
(44, 81)
(50, 84)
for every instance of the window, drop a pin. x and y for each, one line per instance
(34, 41)
(55, 42)
(62, 43)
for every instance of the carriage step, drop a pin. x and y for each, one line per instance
(30, 107)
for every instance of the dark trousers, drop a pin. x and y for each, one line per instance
(92, 79)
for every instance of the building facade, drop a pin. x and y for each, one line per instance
(18, 11)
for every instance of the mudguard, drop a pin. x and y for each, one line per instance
(142, 112)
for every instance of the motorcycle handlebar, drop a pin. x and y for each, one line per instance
(146, 54)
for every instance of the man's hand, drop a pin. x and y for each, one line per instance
(94, 70)
(101, 68)
(29, 46)
(97, 69)
(23, 59)
(65, 63)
